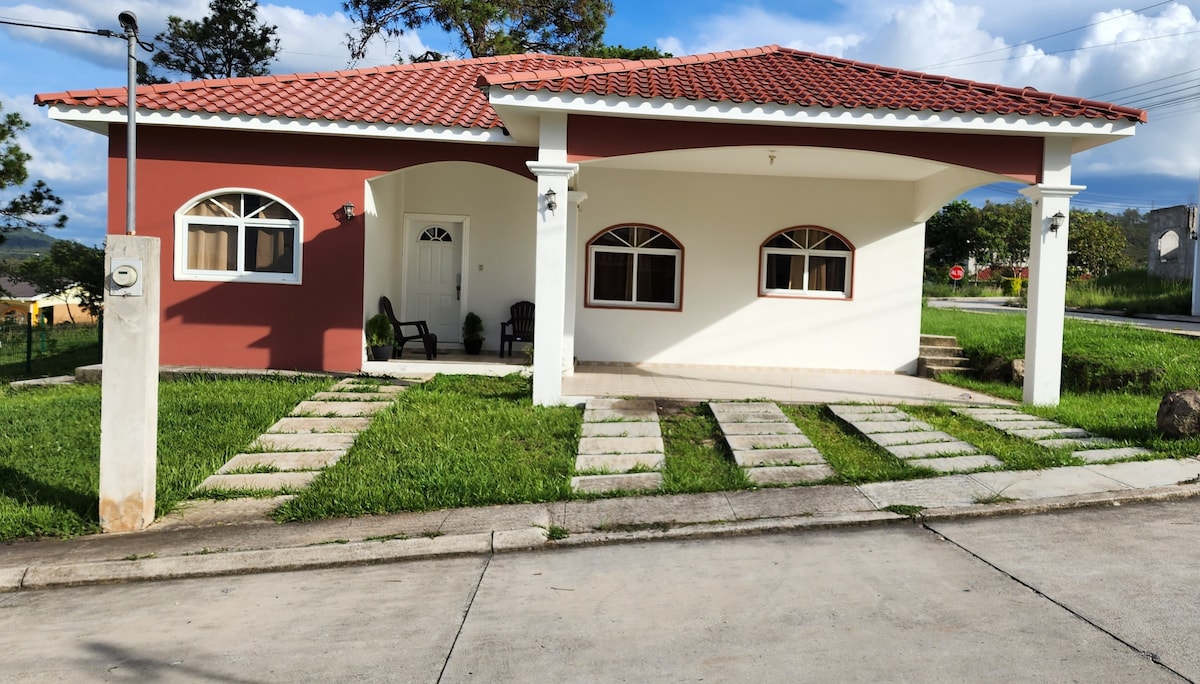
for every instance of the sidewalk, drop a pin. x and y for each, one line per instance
(175, 548)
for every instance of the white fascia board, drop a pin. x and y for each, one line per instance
(93, 118)
(784, 115)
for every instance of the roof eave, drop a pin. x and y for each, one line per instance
(510, 105)
(99, 118)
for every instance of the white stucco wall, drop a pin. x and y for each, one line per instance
(498, 259)
(381, 197)
(721, 221)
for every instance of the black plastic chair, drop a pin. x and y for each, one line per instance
(518, 327)
(421, 329)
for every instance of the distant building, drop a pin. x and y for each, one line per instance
(1171, 233)
(18, 299)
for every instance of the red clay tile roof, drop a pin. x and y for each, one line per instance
(448, 93)
(429, 94)
(776, 75)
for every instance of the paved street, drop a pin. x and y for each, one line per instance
(1095, 595)
(1183, 325)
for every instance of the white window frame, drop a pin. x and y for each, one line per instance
(239, 274)
(677, 301)
(847, 286)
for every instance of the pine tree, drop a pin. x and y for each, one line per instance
(230, 42)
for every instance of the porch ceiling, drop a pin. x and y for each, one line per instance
(802, 162)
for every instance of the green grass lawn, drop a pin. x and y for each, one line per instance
(50, 445)
(1132, 292)
(473, 441)
(56, 350)
(1096, 356)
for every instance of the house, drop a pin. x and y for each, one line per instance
(19, 299)
(760, 207)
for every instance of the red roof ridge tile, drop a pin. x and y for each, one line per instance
(620, 66)
(183, 86)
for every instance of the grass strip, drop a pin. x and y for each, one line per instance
(697, 457)
(454, 441)
(855, 458)
(1015, 452)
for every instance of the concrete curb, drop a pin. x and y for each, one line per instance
(246, 562)
(342, 554)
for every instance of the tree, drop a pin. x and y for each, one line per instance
(226, 44)
(952, 235)
(622, 52)
(1095, 243)
(68, 265)
(37, 207)
(486, 27)
(1004, 233)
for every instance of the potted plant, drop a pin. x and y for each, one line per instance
(472, 333)
(380, 337)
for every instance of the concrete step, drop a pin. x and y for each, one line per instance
(930, 370)
(939, 341)
(929, 351)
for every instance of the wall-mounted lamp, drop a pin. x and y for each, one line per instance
(1057, 221)
(551, 202)
(348, 210)
(1194, 234)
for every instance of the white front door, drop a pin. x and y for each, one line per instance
(433, 287)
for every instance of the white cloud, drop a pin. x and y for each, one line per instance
(317, 42)
(753, 26)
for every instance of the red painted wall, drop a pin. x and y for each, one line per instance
(593, 137)
(312, 326)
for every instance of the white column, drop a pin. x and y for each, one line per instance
(1047, 292)
(129, 387)
(550, 281)
(575, 198)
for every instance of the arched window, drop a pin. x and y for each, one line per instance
(634, 266)
(806, 260)
(239, 235)
(436, 234)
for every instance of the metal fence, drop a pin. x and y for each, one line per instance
(30, 351)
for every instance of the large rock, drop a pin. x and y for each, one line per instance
(1179, 414)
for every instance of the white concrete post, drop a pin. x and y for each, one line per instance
(550, 282)
(1047, 293)
(129, 388)
(575, 198)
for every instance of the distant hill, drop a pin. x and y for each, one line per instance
(23, 243)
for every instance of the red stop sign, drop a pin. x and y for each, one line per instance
(956, 272)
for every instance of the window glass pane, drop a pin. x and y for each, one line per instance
(785, 240)
(784, 272)
(269, 250)
(212, 248)
(436, 234)
(656, 278)
(657, 240)
(272, 210)
(613, 279)
(227, 206)
(617, 237)
(827, 273)
(819, 239)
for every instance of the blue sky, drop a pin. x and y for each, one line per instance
(1145, 54)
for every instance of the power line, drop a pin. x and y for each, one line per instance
(1052, 35)
(70, 29)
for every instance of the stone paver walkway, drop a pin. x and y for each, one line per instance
(914, 441)
(768, 445)
(1050, 434)
(296, 448)
(620, 447)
